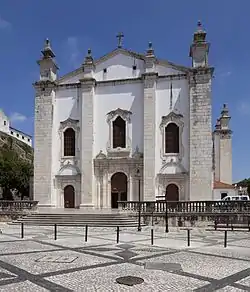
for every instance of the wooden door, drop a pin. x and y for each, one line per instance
(69, 197)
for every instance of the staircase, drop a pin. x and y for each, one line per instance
(74, 218)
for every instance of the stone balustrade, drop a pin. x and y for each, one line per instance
(186, 207)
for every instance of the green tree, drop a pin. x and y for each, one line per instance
(15, 173)
(248, 188)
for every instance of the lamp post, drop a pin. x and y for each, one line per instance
(139, 198)
(166, 215)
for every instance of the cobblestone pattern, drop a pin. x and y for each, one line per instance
(71, 264)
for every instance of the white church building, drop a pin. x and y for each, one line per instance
(129, 123)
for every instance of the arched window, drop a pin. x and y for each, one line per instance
(69, 142)
(172, 138)
(119, 133)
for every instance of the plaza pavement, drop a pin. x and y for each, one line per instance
(40, 263)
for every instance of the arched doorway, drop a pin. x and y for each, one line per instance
(119, 183)
(172, 193)
(69, 197)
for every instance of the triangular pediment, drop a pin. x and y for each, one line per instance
(119, 51)
(123, 58)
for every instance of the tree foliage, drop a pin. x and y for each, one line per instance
(15, 173)
(245, 183)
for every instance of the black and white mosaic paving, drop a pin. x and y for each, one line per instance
(40, 263)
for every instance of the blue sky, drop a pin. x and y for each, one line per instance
(76, 25)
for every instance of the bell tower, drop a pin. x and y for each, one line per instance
(199, 49)
(200, 125)
(48, 67)
(223, 147)
(44, 118)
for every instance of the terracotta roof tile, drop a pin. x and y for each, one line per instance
(222, 185)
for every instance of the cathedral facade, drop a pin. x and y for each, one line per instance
(127, 126)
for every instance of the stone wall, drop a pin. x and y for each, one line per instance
(43, 142)
(201, 146)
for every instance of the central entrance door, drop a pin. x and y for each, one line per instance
(69, 197)
(118, 189)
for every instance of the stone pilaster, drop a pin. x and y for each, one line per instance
(43, 142)
(87, 168)
(201, 147)
(149, 136)
(226, 157)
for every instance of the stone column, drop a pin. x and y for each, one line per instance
(201, 148)
(87, 167)
(149, 136)
(43, 142)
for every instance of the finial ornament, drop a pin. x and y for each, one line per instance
(150, 50)
(200, 34)
(47, 50)
(199, 25)
(88, 58)
(120, 36)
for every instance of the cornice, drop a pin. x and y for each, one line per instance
(172, 77)
(125, 81)
(45, 84)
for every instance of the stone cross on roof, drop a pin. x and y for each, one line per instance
(120, 36)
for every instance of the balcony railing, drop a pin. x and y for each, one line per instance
(17, 206)
(188, 207)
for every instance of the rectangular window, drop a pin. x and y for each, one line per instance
(223, 195)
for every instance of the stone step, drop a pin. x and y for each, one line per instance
(80, 224)
(78, 219)
(77, 216)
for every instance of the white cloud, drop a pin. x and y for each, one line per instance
(73, 51)
(4, 24)
(17, 117)
(244, 108)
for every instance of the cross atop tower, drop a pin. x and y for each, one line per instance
(120, 36)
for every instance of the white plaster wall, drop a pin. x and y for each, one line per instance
(217, 193)
(127, 97)
(66, 105)
(180, 105)
(164, 70)
(20, 136)
(119, 67)
(4, 120)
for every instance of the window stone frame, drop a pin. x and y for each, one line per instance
(177, 119)
(126, 116)
(73, 124)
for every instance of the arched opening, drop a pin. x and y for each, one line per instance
(119, 183)
(69, 142)
(172, 193)
(119, 133)
(69, 197)
(172, 138)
